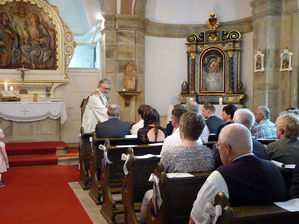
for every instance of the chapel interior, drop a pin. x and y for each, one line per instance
(106, 35)
(152, 34)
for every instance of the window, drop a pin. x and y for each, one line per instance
(84, 57)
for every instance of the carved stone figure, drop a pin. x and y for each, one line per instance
(130, 77)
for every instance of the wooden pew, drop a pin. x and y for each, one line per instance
(178, 195)
(84, 156)
(265, 141)
(112, 175)
(210, 144)
(227, 216)
(265, 214)
(95, 162)
(212, 138)
(135, 184)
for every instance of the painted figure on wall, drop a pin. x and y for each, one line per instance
(36, 49)
(35, 37)
(258, 64)
(285, 61)
(212, 72)
(130, 77)
(19, 21)
(9, 52)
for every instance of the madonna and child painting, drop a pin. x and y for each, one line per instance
(212, 71)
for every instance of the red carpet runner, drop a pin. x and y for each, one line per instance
(41, 195)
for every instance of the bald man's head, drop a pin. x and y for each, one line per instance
(234, 140)
(245, 117)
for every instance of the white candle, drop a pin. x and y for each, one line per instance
(220, 100)
(11, 88)
(5, 86)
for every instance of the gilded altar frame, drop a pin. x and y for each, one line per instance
(62, 46)
(213, 65)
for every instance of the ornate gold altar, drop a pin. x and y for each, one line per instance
(38, 47)
(213, 66)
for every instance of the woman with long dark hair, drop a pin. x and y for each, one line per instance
(151, 132)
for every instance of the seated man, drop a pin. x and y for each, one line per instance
(174, 139)
(140, 123)
(244, 178)
(245, 117)
(169, 127)
(96, 110)
(286, 149)
(194, 107)
(113, 127)
(263, 128)
(212, 121)
(189, 156)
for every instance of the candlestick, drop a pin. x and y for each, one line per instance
(220, 100)
(5, 86)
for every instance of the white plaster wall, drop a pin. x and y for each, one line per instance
(165, 70)
(195, 11)
(165, 58)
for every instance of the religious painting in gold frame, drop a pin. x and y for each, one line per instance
(35, 37)
(213, 65)
(212, 71)
(28, 35)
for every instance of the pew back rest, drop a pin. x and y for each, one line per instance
(178, 195)
(113, 141)
(114, 155)
(108, 142)
(265, 141)
(252, 214)
(210, 144)
(141, 170)
(266, 214)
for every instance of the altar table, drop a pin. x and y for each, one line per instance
(32, 121)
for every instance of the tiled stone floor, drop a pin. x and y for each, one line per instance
(90, 207)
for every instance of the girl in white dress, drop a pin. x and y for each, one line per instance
(3, 157)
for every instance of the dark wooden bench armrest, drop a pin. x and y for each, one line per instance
(84, 156)
(113, 173)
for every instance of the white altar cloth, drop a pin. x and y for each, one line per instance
(32, 111)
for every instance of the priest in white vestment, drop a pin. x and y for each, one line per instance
(96, 110)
